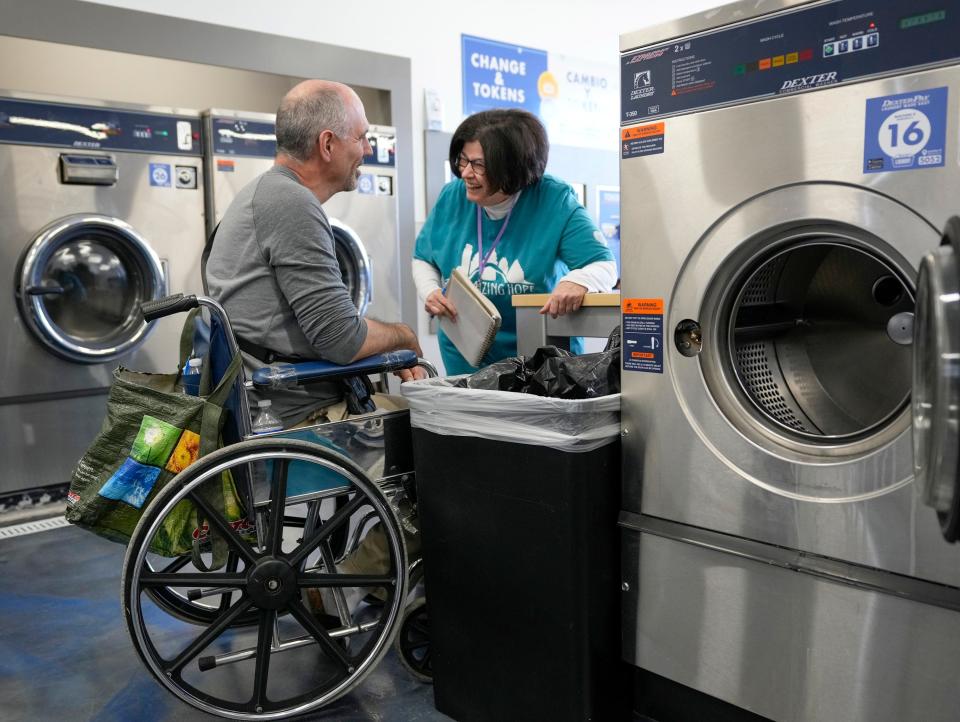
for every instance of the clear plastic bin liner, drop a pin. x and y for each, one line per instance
(576, 425)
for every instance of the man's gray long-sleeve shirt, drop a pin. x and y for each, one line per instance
(274, 268)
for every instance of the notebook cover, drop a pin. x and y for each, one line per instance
(478, 320)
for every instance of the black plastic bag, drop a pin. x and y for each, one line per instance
(554, 372)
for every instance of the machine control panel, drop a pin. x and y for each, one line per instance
(807, 48)
(239, 136)
(258, 139)
(28, 122)
(383, 141)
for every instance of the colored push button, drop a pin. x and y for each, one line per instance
(806, 55)
(828, 50)
(753, 66)
(873, 39)
(740, 69)
(765, 64)
(792, 58)
(778, 61)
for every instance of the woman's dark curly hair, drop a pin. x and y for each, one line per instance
(515, 147)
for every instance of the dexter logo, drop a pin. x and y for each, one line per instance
(809, 81)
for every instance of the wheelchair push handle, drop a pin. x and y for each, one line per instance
(167, 306)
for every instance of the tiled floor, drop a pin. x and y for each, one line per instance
(65, 653)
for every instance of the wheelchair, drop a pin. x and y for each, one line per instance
(232, 628)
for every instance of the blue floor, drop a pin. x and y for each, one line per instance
(65, 654)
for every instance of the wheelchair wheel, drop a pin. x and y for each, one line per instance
(293, 659)
(413, 641)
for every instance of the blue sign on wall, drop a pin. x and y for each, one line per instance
(905, 131)
(499, 75)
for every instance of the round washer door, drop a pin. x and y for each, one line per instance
(354, 264)
(80, 284)
(936, 381)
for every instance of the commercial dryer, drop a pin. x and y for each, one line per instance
(785, 167)
(101, 209)
(239, 146)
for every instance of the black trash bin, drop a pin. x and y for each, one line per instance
(521, 553)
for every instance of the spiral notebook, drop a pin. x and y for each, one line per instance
(478, 320)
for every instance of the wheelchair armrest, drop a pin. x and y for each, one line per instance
(280, 375)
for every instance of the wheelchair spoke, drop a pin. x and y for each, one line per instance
(176, 564)
(162, 579)
(421, 628)
(228, 532)
(233, 562)
(262, 672)
(326, 553)
(278, 491)
(410, 646)
(308, 579)
(309, 622)
(342, 515)
(219, 625)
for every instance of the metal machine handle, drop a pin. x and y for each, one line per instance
(45, 290)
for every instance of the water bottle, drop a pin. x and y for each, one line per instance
(266, 420)
(191, 377)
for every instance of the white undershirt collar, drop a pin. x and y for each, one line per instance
(500, 210)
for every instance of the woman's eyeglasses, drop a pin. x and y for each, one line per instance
(477, 165)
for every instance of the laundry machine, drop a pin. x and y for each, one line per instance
(239, 146)
(786, 166)
(102, 209)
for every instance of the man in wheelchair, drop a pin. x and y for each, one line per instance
(274, 268)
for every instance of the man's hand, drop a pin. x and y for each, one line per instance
(414, 374)
(566, 298)
(439, 305)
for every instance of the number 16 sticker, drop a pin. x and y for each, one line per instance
(906, 131)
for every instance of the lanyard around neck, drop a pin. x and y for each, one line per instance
(480, 254)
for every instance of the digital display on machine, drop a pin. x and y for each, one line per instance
(27, 122)
(925, 19)
(808, 48)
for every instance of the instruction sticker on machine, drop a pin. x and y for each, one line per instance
(642, 140)
(642, 329)
(905, 131)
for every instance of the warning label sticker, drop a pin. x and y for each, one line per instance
(642, 140)
(642, 327)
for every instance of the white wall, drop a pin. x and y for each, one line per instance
(428, 32)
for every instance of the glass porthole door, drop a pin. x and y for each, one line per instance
(936, 380)
(80, 284)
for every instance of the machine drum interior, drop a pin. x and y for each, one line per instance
(809, 342)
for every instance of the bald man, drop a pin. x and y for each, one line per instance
(273, 265)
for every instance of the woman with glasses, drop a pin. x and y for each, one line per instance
(510, 228)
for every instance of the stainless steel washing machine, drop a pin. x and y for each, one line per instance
(239, 146)
(785, 167)
(101, 210)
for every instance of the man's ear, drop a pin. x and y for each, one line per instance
(325, 145)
